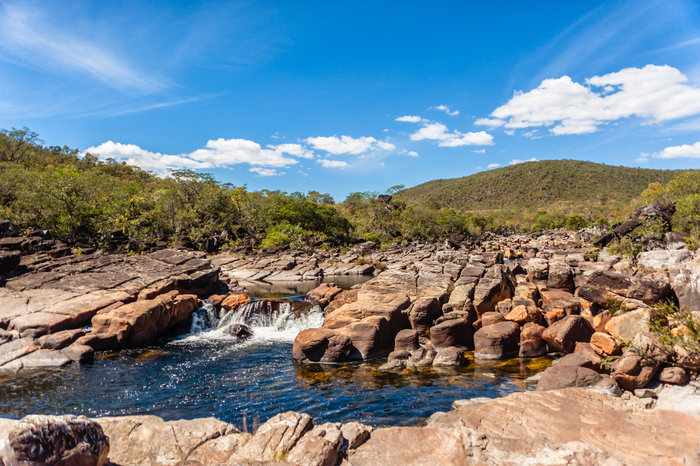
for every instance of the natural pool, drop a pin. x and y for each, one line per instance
(207, 373)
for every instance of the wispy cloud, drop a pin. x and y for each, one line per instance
(28, 38)
(112, 111)
(445, 109)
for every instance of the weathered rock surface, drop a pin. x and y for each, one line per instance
(497, 341)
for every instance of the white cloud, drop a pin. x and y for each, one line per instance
(411, 153)
(339, 164)
(490, 122)
(216, 153)
(409, 119)
(479, 151)
(685, 151)
(296, 150)
(342, 145)
(438, 132)
(262, 171)
(27, 38)
(652, 93)
(445, 109)
(517, 161)
(493, 165)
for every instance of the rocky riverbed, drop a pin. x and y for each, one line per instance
(425, 307)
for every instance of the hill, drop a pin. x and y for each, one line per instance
(550, 184)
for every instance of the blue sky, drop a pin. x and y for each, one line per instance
(355, 96)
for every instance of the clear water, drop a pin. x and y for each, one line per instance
(208, 373)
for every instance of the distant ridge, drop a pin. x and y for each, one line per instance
(538, 185)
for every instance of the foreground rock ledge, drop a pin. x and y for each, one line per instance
(559, 427)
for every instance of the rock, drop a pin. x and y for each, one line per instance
(495, 286)
(455, 332)
(139, 323)
(685, 281)
(151, 441)
(624, 327)
(60, 340)
(450, 356)
(560, 276)
(420, 358)
(674, 376)
(497, 341)
(523, 314)
(531, 343)
(55, 440)
(630, 382)
(571, 426)
(239, 331)
(355, 434)
(39, 359)
(629, 363)
(234, 300)
(604, 344)
(371, 337)
(318, 447)
(321, 345)
(662, 259)
(406, 339)
(562, 335)
(594, 360)
(79, 353)
(323, 294)
(563, 376)
(423, 313)
(537, 269)
(9, 260)
(275, 438)
(580, 359)
(410, 446)
(490, 318)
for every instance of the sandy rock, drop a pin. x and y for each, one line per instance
(625, 327)
(495, 286)
(423, 313)
(497, 341)
(522, 314)
(323, 293)
(674, 376)
(151, 441)
(79, 353)
(490, 318)
(318, 447)
(275, 438)
(60, 340)
(234, 300)
(355, 434)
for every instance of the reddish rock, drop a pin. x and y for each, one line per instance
(604, 344)
(60, 340)
(490, 318)
(423, 313)
(563, 335)
(674, 376)
(531, 343)
(321, 345)
(521, 314)
(232, 301)
(495, 286)
(323, 293)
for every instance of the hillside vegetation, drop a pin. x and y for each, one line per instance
(585, 186)
(89, 202)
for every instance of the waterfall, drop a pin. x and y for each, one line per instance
(269, 321)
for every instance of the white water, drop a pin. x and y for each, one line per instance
(270, 322)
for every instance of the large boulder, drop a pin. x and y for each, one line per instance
(321, 345)
(319, 447)
(323, 293)
(140, 323)
(562, 335)
(423, 313)
(626, 326)
(54, 440)
(454, 332)
(497, 341)
(496, 285)
(685, 280)
(567, 375)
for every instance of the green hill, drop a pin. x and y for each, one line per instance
(550, 184)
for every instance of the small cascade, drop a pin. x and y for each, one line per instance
(268, 321)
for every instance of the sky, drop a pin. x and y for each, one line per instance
(351, 96)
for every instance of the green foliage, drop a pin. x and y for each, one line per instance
(678, 330)
(86, 201)
(542, 195)
(684, 191)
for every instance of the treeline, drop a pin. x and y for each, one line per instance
(86, 201)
